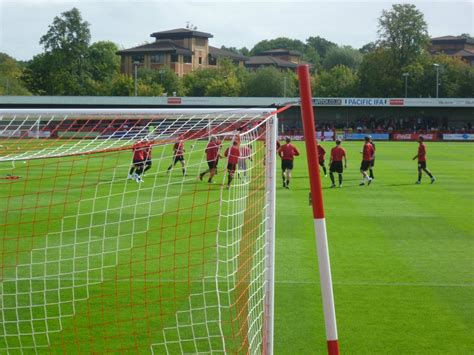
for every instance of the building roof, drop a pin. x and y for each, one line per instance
(218, 52)
(160, 46)
(180, 33)
(452, 39)
(280, 51)
(464, 53)
(266, 60)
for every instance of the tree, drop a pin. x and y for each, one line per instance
(10, 73)
(376, 75)
(278, 43)
(308, 53)
(340, 81)
(196, 82)
(345, 55)
(68, 33)
(404, 32)
(270, 82)
(321, 45)
(60, 70)
(101, 61)
(368, 48)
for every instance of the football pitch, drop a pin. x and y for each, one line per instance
(402, 254)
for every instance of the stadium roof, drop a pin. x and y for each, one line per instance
(218, 52)
(280, 51)
(180, 33)
(160, 46)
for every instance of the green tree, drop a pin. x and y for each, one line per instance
(278, 43)
(376, 75)
(368, 48)
(68, 33)
(456, 78)
(271, 82)
(101, 61)
(10, 73)
(321, 45)
(196, 82)
(345, 55)
(61, 69)
(121, 85)
(339, 81)
(404, 32)
(308, 53)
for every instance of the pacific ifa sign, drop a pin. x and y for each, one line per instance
(413, 137)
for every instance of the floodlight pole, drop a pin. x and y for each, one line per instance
(318, 209)
(436, 65)
(406, 75)
(135, 77)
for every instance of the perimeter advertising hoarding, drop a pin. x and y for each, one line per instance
(458, 137)
(414, 136)
(328, 136)
(361, 136)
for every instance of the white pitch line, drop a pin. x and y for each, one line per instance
(282, 282)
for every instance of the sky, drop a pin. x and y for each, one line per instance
(237, 24)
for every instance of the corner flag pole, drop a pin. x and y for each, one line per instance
(318, 209)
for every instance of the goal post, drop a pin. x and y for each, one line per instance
(115, 236)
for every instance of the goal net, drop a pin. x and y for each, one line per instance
(119, 234)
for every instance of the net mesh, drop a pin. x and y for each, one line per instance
(98, 255)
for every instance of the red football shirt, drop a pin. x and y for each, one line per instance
(232, 154)
(368, 152)
(421, 152)
(139, 151)
(337, 153)
(212, 151)
(288, 151)
(321, 153)
(178, 148)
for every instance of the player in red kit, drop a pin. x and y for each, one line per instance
(422, 161)
(372, 162)
(141, 159)
(212, 156)
(321, 157)
(287, 152)
(232, 154)
(245, 154)
(367, 156)
(178, 156)
(335, 165)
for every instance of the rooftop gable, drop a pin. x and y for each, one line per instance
(179, 33)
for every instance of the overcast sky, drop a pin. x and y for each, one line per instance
(238, 24)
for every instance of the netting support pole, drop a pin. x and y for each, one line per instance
(270, 157)
(318, 209)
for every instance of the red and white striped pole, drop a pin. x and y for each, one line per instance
(318, 209)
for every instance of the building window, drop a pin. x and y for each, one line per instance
(157, 58)
(201, 42)
(188, 59)
(174, 58)
(212, 60)
(200, 60)
(140, 58)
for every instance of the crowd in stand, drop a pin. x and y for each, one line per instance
(369, 124)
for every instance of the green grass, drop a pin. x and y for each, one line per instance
(402, 254)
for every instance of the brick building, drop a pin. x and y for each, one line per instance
(455, 46)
